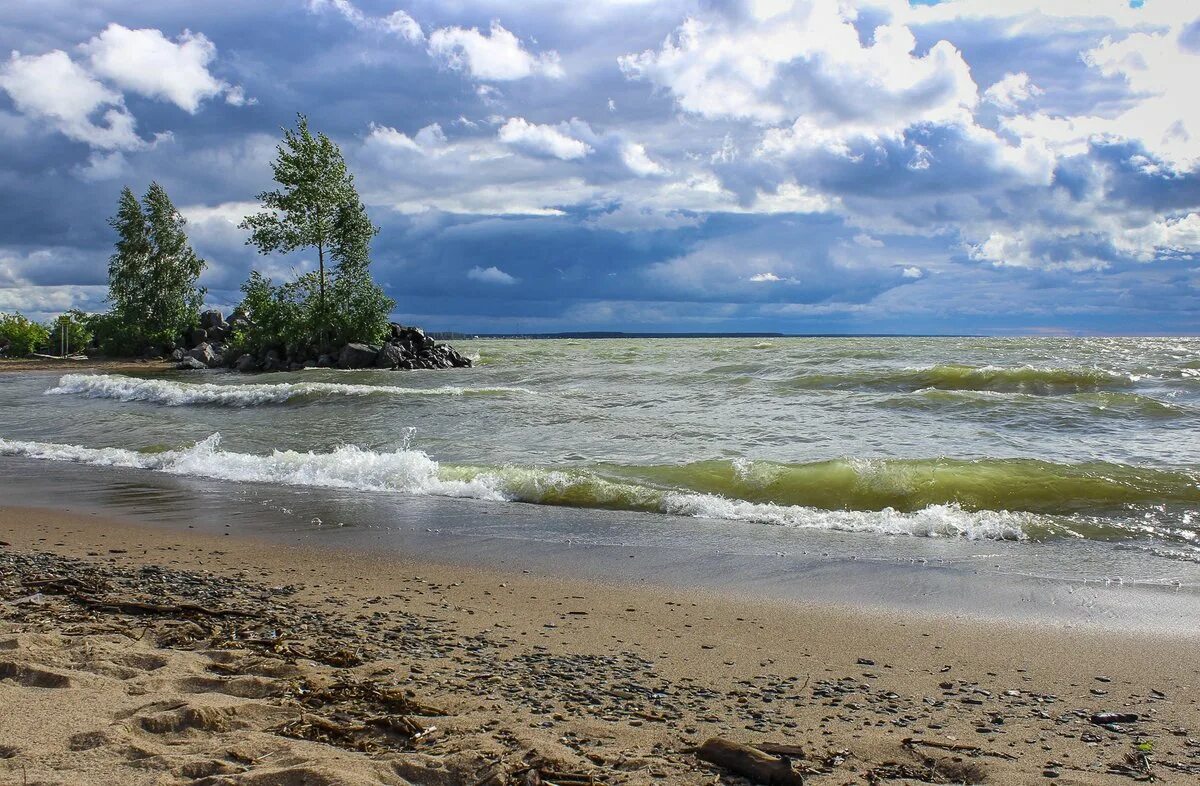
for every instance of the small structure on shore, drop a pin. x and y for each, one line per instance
(407, 347)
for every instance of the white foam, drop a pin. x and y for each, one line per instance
(177, 394)
(413, 472)
(934, 521)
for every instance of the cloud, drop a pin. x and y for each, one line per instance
(496, 56)
(541, 139)
(761, 278)
(912, 272)
(635, 157)
(398, 23)
(55, 89)
(490, 275)
(148, 63)
(403, 25)
(102, 166)
(1012, 91)
(804, 62)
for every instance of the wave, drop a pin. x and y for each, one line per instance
(177, 394)
(1103, 402)
(1024, 379)
(991, 498)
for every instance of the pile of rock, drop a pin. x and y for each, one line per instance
(406, 348)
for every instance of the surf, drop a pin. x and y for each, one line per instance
(172, 393)
(1009, 499)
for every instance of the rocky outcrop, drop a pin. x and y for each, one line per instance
(207, 345)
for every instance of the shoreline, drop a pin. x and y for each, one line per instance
(112, 365)
(516, 658)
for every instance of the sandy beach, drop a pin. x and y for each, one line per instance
(141, 655)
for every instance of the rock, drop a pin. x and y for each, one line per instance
(197, 336)
(246, 364)
(211, 318)
(1108, 718)
(206, 355)
(177, 355)
(272, 361)
(219, 332)
(389, 356)
(238, 318)
(357, 356)
(324, 361)
(190, 363)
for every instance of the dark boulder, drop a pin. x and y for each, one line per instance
(177, 354)
(272, 361)
(206, 355)
(211, 319)
(190, 363)
(325, 361)
(246, 364)
(389, 356)
(357, 356)
(197, 336)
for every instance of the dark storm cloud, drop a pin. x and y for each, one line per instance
(527, 177)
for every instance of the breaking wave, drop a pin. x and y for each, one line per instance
(177, 394)
(1024, 379)
(990, 498)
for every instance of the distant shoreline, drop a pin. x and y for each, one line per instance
(452, 336)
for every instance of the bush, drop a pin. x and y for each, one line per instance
(115, 336)
(283, 316)
(20, 336)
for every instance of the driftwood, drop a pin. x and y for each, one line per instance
(750, 762)
(131, 606)
(910, 742)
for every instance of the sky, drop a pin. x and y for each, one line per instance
(798, 166)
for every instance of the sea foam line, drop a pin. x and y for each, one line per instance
(177, 394)
(413, 472)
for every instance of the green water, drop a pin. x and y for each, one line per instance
(1030, 440)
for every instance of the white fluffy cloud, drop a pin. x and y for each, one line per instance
(85, 103)
(148, 63)
(541, 139)
(398, 23)
(53, 88)
(495, 56)
(490, 275)
(779, 62)
(639, 162)
(1012, 91)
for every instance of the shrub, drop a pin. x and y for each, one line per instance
(20, 336)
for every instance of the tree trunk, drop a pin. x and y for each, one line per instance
(322, 337)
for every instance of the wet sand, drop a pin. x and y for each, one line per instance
(134, 654)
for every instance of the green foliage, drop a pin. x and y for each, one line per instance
(282, 316)
(151, 276)
(317, 207)
(20, 336)
(360, 307)
(74, 327)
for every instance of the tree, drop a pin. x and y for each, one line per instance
(152, 275)
(315, 207)
(20, 336)
(363, 308)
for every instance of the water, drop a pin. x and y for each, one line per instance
(1076, 459)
